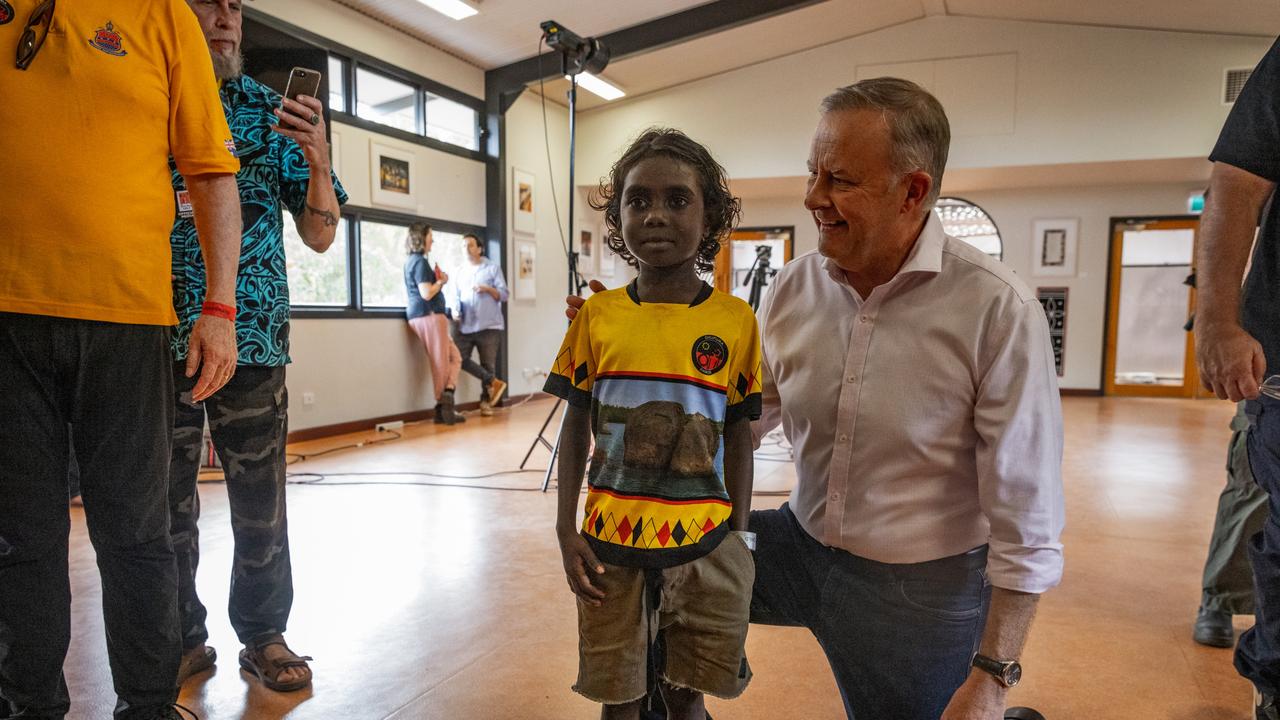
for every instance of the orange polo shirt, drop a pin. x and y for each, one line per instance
(86, 203)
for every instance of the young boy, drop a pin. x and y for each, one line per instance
(665, 373)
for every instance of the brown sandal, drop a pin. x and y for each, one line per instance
(252, 660)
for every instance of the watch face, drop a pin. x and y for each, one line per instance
(1012, 674)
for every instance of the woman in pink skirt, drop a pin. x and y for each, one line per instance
(425, 311)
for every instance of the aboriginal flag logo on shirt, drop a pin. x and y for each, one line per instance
(709, 354)
(6, 12)
(108, 41)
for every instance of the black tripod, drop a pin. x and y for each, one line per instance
(759, 274)
(577, 55)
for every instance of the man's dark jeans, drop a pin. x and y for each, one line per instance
(1258, 653)
(112, 385)
(900, 638)
(487, 342)
(248, 419)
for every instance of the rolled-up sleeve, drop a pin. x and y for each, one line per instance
(1018, 419)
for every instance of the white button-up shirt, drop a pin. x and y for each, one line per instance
(925, 418)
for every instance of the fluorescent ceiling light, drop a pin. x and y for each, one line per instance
(455, 9)
(599, 87)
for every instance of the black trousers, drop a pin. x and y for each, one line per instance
(109, 386)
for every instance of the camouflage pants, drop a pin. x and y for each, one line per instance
(1242, 511)
(249, 420)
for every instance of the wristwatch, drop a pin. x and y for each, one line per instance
(1007, 672)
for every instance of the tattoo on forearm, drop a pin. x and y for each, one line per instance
(330, 220)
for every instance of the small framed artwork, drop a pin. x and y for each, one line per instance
(523, 202)
(1054, 245)
(1054, 300)
(526, 270)
(391, 176)
(587, 253)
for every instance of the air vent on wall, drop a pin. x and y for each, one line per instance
(1233, 82)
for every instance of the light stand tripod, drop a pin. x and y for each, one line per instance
(758, 276)
(577, 55)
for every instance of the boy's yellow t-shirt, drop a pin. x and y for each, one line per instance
(661, 380)
(86, 203)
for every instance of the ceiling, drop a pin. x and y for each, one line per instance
(506, 31)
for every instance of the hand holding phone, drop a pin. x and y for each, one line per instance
(302, 81)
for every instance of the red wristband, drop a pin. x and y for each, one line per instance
(218, 310)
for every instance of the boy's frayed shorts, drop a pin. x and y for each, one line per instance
(703, 612)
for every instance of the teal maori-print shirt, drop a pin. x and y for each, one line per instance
(273, 176)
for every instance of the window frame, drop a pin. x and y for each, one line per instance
(354, 59)
(356, 309)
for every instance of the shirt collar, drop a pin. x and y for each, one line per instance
(925, 256)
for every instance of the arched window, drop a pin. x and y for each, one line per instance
(966, 221)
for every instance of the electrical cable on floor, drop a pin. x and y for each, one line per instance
(772, 439)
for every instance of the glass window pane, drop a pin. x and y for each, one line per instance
(382, 259)
(337, 84)
(452, 122)
(963, 220)
(317, 278)
(386, 101)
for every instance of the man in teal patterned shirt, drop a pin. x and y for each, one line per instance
(284, 161)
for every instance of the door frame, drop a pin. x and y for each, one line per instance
(1191, 374)
(724, 259)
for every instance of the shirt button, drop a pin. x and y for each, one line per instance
(835, 496)
(851, 378)
(865, 318)
(844, 438)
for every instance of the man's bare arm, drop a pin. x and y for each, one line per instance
(1231, 362)
(216, 203)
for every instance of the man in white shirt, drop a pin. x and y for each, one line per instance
(914, 377)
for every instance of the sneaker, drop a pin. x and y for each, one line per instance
(486, 409)
(496, 389)
(1213, 628)
(1264, 706)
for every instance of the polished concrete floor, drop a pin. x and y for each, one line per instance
(423, 601)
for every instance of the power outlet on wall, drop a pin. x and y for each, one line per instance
(308, 398)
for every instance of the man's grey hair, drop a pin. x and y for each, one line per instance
(918, 127)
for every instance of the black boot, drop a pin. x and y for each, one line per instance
(440, 415)
(451, 416)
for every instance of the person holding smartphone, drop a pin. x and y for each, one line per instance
(284, 157)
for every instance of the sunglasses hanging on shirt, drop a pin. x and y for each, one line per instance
(35, 33)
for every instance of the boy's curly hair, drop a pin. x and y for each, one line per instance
(721, 208)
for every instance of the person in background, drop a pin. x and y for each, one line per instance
(427, 314)
(475, 299)
(96, 97)
(284, 163)
(1227, 587)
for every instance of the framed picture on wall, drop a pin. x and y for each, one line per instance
(391, 175)
(526, 270)
(1054, 246)
(587, 253)
(1054, 301)
(523, 202)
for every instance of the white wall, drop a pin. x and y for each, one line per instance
(1083, 94)
(535, 327)
(1014, 211)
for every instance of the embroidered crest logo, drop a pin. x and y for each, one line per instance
(230, 145)
(6, 12)
(108, 41)
(709, 354)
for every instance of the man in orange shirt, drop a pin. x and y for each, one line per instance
(98, 95)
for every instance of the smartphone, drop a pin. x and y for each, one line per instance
(302, 81)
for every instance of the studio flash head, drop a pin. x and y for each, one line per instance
(580, 54)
